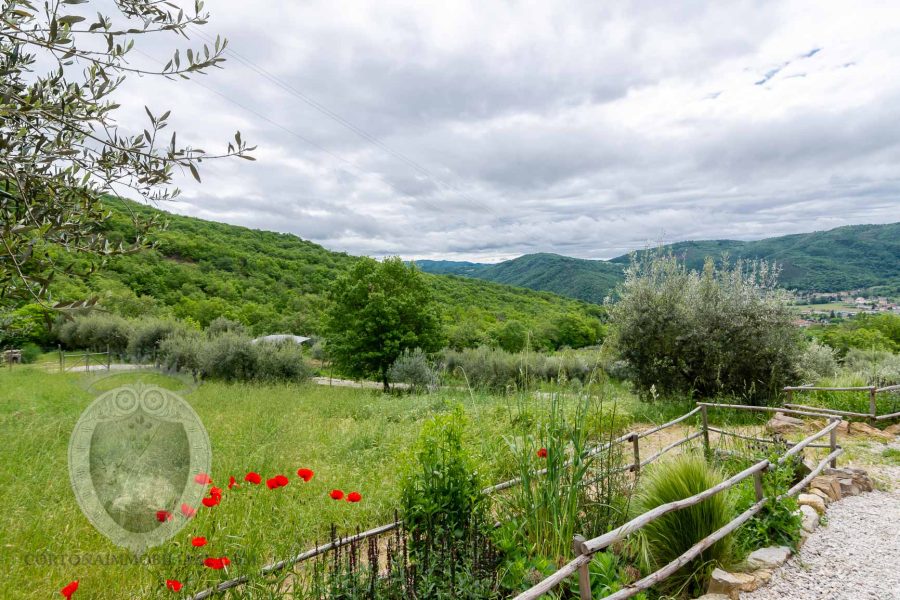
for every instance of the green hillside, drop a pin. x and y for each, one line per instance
(855, 256)
(277, 282)
(588, 280)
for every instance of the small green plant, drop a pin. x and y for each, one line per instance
(669, 536)
(892, 455)
(779, 521)
(440, 490)
(30, 352)
(608, 575)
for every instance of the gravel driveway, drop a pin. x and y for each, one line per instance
(856, 556)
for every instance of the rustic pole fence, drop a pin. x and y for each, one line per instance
(871, 390)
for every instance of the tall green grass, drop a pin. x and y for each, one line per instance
(669, 536)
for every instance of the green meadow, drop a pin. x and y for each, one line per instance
(353, 439)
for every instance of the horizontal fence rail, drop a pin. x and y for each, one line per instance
(872, 391)
(631, 437)
(586, 549)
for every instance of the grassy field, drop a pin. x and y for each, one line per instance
(354, 440)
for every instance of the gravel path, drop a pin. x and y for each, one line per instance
(856, 556)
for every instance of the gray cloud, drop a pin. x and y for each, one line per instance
(486, 130)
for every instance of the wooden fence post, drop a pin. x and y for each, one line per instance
(834, 446)
(108, 359)
(705, 420)
(637, 453)
(758, 486)
(584, 573)
(790, 396)
(87, 362)
(62, 358)
(873, 406)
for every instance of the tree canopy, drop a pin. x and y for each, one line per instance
(376, 311)
(61, 149)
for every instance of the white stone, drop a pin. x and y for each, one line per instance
(810, 518)
(768, 558)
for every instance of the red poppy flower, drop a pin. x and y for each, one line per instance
(336, 494)
(198, 542)
(211, 501)
(354, 497)
(69, 589)
(305, 474)
(217, 563)
(173, 584)
(203, 479)
(215, 492)
(187, 511)
(163, 515)
(252, 477)
(542, 453)
(232, 482)
(282, 480)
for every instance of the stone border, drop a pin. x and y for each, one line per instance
(758, 568)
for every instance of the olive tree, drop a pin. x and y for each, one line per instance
(724, 330)
(376, 311)
(61, 149)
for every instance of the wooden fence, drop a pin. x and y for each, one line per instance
(631, 438)
(872, 391)
(585, 549)
(99, 360)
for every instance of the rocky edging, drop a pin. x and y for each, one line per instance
(758, 568)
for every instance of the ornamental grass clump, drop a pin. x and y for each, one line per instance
(671, 535)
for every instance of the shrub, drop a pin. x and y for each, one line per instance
(414, 369)
(147, 336)
(280, 362)
(30, 352)
(671, 535)
(875, 367)
(817, 361)
(221, 325)
(440, 490)
(725, 330)
(230, 357)
(181, 351)
(607, 575)
(96, 332)
(779, 521)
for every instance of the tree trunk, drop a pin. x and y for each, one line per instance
(384, 380)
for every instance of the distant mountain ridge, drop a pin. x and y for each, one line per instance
(849, 257)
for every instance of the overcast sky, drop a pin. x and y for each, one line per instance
(485, 130)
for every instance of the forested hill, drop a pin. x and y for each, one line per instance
(277, 283)
(588, 280)
(855, 256)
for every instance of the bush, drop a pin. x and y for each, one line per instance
(440, 490)
(221, 325)
(726, 330)
(147, 336)
(816, 362)
(779, 521)
(181, 351)
(230, 357)
(280, 362)
(30, 352)
(875, 367)
(414, 369)
(671, 535)
(96, 332)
